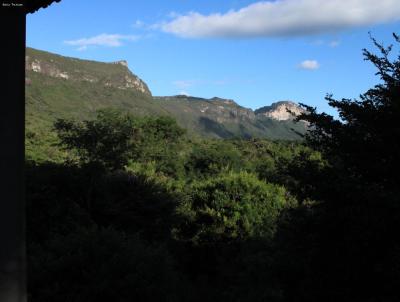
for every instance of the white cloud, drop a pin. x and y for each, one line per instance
(138, 24)
(184, 84)
(82, 48)
(334, 43)
(183, 92)
(320, 42)
(284, 18)
(309, 65)
(113, 40)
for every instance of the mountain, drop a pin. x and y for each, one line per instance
(63, 87)
(281, 111)
(115, 74)
(224, 118)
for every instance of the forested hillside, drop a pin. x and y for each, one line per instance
(132, 207)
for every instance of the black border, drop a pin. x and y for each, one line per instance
(12, 127)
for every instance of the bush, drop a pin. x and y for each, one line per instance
(108, 141)
(233, 207)
(211, 158)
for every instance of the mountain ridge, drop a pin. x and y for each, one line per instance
(114, 74)
(65, 87)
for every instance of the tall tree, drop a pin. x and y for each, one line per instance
(365, 143)
(351, 251)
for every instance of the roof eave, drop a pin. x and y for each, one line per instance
(32, 6)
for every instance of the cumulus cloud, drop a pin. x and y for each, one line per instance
(108, 40)
(284, 18)
(309, 65)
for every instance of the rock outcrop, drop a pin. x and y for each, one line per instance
(281, 111)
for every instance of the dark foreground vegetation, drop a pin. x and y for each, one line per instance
(138, 211)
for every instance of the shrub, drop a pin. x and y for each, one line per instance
(233, 207)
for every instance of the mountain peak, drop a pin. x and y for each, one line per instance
(279, 110)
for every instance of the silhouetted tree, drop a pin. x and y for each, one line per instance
(351, 250)
(365, 143)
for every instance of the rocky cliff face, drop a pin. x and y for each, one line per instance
(280, 111)
(114, 74)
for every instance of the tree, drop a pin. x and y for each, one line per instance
(365, 143)
(352, 243)
(225, 235)
(108, 141)
(160, 141)
(210, 158)
(231, 208)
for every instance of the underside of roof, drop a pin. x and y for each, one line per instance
(34, 5)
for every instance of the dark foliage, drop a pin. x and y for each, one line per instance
(101, 265)
(108, 141)
(364, 145)
(354, 240)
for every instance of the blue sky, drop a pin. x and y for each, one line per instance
(255, 52)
